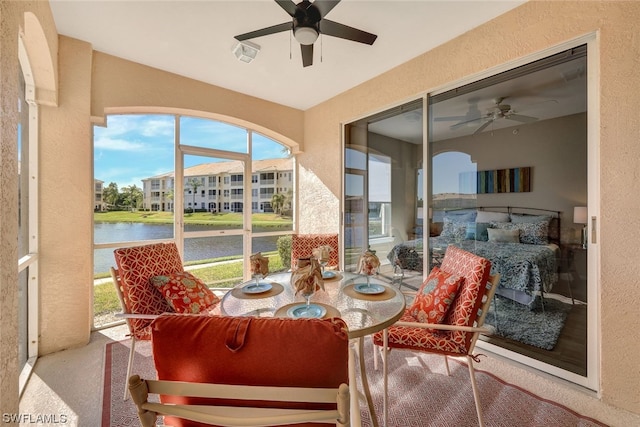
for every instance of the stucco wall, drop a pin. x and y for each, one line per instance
(41, 36)
(66, 205)
(534, 27)
(118, 83)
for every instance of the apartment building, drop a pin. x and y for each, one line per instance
(217, 186)
(98, 196)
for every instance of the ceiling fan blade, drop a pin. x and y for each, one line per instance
(481, 128)
(288, 5)
(466, 122)
(325, 6)
(449, 118)
(285, 26)
(342, 31)
(307, 54)
(522, 119)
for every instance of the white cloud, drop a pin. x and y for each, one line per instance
(157, 126)
(117, 144)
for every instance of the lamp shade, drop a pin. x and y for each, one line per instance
(580, 215)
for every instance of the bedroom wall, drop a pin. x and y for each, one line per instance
(556, 150)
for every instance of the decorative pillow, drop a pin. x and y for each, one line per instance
(453, 229)
(486, 216)
(498, 235)
(184, 292)
(460, 216)
(477, 231)
(529, 218)
(531, 233)
(432, 306)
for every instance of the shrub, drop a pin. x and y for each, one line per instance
(284, 250)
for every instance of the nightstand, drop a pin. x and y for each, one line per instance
(573, 270)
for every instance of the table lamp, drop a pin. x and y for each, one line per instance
(580, 217)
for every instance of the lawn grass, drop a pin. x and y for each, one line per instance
(215, 273)
(227, 220)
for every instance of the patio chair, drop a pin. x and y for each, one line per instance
(447, 320)
(302, 246)
(247, 371)
(141, 300)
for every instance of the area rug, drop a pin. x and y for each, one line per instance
(539, 328)
(420, 394)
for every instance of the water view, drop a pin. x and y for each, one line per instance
(195, 249)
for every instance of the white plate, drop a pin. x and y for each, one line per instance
(328, 275)
(253, 288)
(301, 311)
(371, 289)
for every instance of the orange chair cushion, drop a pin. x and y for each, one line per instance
(302, 246)
(249, 351)
(185, 293)
(419, 339)
(136, 266)
(475, 273)
(435, 296)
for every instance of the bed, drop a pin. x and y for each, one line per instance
(527, 258)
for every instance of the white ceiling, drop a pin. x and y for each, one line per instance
(195, 39)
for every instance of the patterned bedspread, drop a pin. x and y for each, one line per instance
(524, 269)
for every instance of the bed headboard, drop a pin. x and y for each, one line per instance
(554, 224)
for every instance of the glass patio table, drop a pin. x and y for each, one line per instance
(364, 313)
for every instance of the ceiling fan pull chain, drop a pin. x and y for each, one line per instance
(290, 33)
(321, 38)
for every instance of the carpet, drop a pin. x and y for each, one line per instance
(420, 393)
(533, 327)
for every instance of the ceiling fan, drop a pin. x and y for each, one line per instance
(498, 111)
(308, 22)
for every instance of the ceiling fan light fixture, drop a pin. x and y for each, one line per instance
(246, 51)
(305, 35)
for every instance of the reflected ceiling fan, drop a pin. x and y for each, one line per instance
(308, 22)
(497, 112)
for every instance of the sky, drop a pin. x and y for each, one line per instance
(135, 147)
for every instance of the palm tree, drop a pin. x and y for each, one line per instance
(169, 196)
(111, 195)
(277, 201)
(132, 196)
(194, 183)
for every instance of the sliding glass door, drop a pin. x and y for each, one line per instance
(382, 194)
(508, 157)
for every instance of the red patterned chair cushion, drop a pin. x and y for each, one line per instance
(302, 246)
(431, 306)
(431, 340)
(185, 293)
(277, 352)
(136, 266)
(475, 271)
(464, 310)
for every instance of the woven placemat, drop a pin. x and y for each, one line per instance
(331, 311)
(387, 294)
(337, 276)
(276, 288)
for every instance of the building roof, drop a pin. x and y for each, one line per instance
(231, 167)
